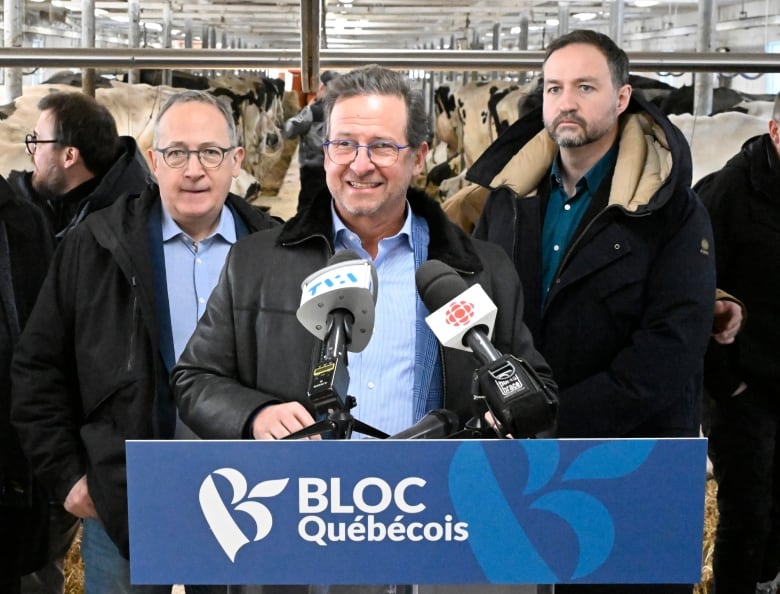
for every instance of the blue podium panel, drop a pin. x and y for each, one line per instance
(426, 512)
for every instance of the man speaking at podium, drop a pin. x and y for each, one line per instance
(245, 371)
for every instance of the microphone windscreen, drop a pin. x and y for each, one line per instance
(438, 284)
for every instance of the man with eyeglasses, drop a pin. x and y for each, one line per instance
(124, 293)
(80, 163)
(245, 371)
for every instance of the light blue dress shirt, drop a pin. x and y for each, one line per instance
(382, 375)
(192, 270)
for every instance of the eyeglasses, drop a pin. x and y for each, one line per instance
(380, 153)
(210, 157)
(31, 142)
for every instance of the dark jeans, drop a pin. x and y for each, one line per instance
(743, 449)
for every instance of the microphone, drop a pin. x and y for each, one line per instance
(337, 306)
(463, 317)
(345, 289)
(437, 424)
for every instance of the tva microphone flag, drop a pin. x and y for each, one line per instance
(470, 309)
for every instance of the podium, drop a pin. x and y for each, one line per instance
(416, 512)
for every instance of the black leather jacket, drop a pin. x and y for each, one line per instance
(249, 349)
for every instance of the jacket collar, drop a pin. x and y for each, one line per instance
(448, 243)
(653, 159)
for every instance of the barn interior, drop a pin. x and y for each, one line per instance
(732, 44)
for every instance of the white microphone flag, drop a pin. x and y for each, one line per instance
(470, 309)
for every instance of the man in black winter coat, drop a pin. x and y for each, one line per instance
(80, 165)
(742, 378)
(25, 250)
(123, 294)
(591, 197)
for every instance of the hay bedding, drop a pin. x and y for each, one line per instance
(74, 567)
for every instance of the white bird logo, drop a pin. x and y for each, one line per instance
(228, 534)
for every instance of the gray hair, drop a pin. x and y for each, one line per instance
(192, 96)
(375, 80)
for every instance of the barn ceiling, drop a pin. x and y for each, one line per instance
(369, 24)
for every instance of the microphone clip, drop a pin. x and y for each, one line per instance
(517, 399)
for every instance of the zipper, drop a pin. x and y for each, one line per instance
(134, 328)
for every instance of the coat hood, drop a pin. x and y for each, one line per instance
(654, 160)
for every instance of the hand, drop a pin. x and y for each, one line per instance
(276, 421)
(78, 502)
(727, 322)
(491, 421)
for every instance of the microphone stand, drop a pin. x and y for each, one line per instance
(329, 383)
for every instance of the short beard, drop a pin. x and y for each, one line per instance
(48, 189)
(568, 141)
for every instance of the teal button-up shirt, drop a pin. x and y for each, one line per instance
(564, 214)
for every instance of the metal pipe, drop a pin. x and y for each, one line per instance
(13, 37)
(616, 16)
(88, 75)
(704, 81)
(310, 45)
(133, 34)
(434, 60)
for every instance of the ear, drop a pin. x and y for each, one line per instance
(774, 134)
(624, 96)
(71, 156)
(419, 158)
(236, 158)
(152, 158)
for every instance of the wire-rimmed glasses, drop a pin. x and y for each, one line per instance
(381, 153)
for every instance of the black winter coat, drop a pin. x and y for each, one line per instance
(88, 373)
(743, 199)
(249, 349)
(629, 313)
(25, 251)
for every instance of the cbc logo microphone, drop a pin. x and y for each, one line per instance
(459, 313)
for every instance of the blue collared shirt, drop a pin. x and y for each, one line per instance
(192, 270)
(564, 214)
(382, 375)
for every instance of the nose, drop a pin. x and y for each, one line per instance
(193, 166)
(362, 162)
(567, 100)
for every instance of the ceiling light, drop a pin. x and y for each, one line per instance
(551, 22)
(645, 3)
(585, 16)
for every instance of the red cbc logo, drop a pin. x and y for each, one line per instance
(459, 313)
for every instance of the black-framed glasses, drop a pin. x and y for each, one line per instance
(381, 153)
(210, 157)
(31, 142)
